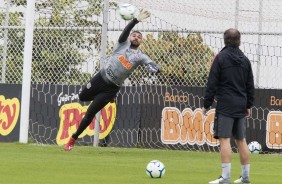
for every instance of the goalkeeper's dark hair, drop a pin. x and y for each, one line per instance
(232, 37)
(135, 32)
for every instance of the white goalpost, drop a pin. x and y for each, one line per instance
(26, 84)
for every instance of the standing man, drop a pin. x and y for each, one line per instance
(231, 82)
(104, 86)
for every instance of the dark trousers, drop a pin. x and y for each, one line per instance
(100, 92)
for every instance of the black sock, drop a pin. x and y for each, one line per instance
(83, 125)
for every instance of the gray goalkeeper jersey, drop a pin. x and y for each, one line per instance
(123, 61)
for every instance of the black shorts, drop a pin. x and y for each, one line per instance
(225, 127)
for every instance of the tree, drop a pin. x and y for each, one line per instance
(58, 52)
(184, 60)
(15, 45)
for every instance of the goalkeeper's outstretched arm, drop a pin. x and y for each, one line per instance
(126, 31)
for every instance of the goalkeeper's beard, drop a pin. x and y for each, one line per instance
(134, 45)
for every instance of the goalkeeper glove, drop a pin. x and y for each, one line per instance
(144, 14)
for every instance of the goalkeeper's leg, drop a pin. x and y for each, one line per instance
(106, 93)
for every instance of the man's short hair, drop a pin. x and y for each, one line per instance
(135, 32)
(232, 37)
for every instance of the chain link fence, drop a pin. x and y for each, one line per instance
(181, 36)
(67, 39)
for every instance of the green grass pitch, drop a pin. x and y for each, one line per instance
(49, 164)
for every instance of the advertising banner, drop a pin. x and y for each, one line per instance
(147, 116)
(10, 98)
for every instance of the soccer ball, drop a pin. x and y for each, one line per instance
(254, 147)
(126, 11)
(155, 169)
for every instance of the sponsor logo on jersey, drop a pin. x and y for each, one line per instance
(126, 64)
(110, 73)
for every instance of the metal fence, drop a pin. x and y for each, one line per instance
(69, 39)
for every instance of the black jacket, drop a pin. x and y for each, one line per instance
(231, 81)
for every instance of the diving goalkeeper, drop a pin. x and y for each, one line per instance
(104, 86)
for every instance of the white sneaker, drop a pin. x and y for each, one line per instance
(242, 180)
(220, 180)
